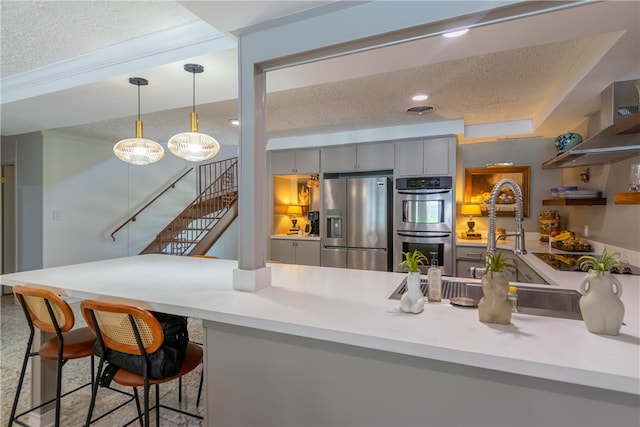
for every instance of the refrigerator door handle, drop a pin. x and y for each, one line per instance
(368, 249)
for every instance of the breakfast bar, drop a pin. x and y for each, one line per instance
(326, 346)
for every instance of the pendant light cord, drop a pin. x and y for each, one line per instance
(194, 91)
(138, 101)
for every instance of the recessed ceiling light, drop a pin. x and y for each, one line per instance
(234, 122)
(420, 96)
(456, 33)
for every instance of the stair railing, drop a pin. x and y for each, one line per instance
(157, 196)
(210, 172)
(197, 219)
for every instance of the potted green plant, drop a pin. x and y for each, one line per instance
(602, 264)
(494, 306)
(412, 301)
(600, 304)
(413, 260)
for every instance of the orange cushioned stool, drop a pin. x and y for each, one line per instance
(49, 312)
(136, 331)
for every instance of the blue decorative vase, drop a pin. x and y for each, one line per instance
(567, 141)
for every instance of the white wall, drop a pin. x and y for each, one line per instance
(227, 245)
(617, 225)
(26, 153)
(88, 193)
(92, 192)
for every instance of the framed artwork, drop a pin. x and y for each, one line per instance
(478, 183)
(303, 195)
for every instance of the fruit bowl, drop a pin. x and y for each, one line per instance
(572, 246)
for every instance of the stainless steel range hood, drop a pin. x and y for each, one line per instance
(618, 101)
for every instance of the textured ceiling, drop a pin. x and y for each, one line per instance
(548, 69)
(80, 26)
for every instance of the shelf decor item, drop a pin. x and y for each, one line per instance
(294, 211)
(412, 301)
(494, 307)
(479, 182)
(471, 210)
(548, 222)
(567, 141)
(600, 304)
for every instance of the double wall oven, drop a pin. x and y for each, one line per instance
(424, 219)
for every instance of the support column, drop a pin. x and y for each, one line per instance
(252, 274)
(43, 386)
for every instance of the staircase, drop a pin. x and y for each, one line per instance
(199, 225)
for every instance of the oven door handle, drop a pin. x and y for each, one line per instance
(422, 234)
(423, 192)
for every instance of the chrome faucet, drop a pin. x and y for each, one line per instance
(519, 234)
(492, 239)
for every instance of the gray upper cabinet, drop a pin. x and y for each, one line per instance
(295, 161)
(358, 158)
(425, 157)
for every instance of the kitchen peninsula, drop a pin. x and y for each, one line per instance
(326, 346)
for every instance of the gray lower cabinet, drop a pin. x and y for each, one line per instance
(303, 252)
(467, 257)
(526, 274)
(474, 256)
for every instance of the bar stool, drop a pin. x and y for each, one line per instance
(49, 312)
(133, 330)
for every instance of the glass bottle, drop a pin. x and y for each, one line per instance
(512, 297)
(549, 221)
(434, 279)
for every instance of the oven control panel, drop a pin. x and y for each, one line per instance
(424, 183)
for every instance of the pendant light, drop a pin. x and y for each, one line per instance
(193, 146)
(138, 150)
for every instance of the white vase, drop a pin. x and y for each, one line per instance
(494, 306)
(412, 301)
(600, 303)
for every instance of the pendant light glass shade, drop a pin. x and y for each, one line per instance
(193, 146)
(138, 150)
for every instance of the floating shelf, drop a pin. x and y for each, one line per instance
(627, 199)
(629, 124)
(563, 201)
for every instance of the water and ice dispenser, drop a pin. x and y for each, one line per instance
(334, 223)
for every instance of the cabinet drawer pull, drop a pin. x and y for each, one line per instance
(474, 254)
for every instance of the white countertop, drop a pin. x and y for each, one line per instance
(295, 237)
(352, 307)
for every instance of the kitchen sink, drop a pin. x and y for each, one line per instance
(550, 302)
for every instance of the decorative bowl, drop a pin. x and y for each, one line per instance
(567, 141)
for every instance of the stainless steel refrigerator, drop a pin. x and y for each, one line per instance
(358, 227)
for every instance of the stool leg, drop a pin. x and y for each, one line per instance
(200, 387)
(58, 391)
(25, 361)
(157, 405)
(137, 398)
(146, 402)
(94, 391)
